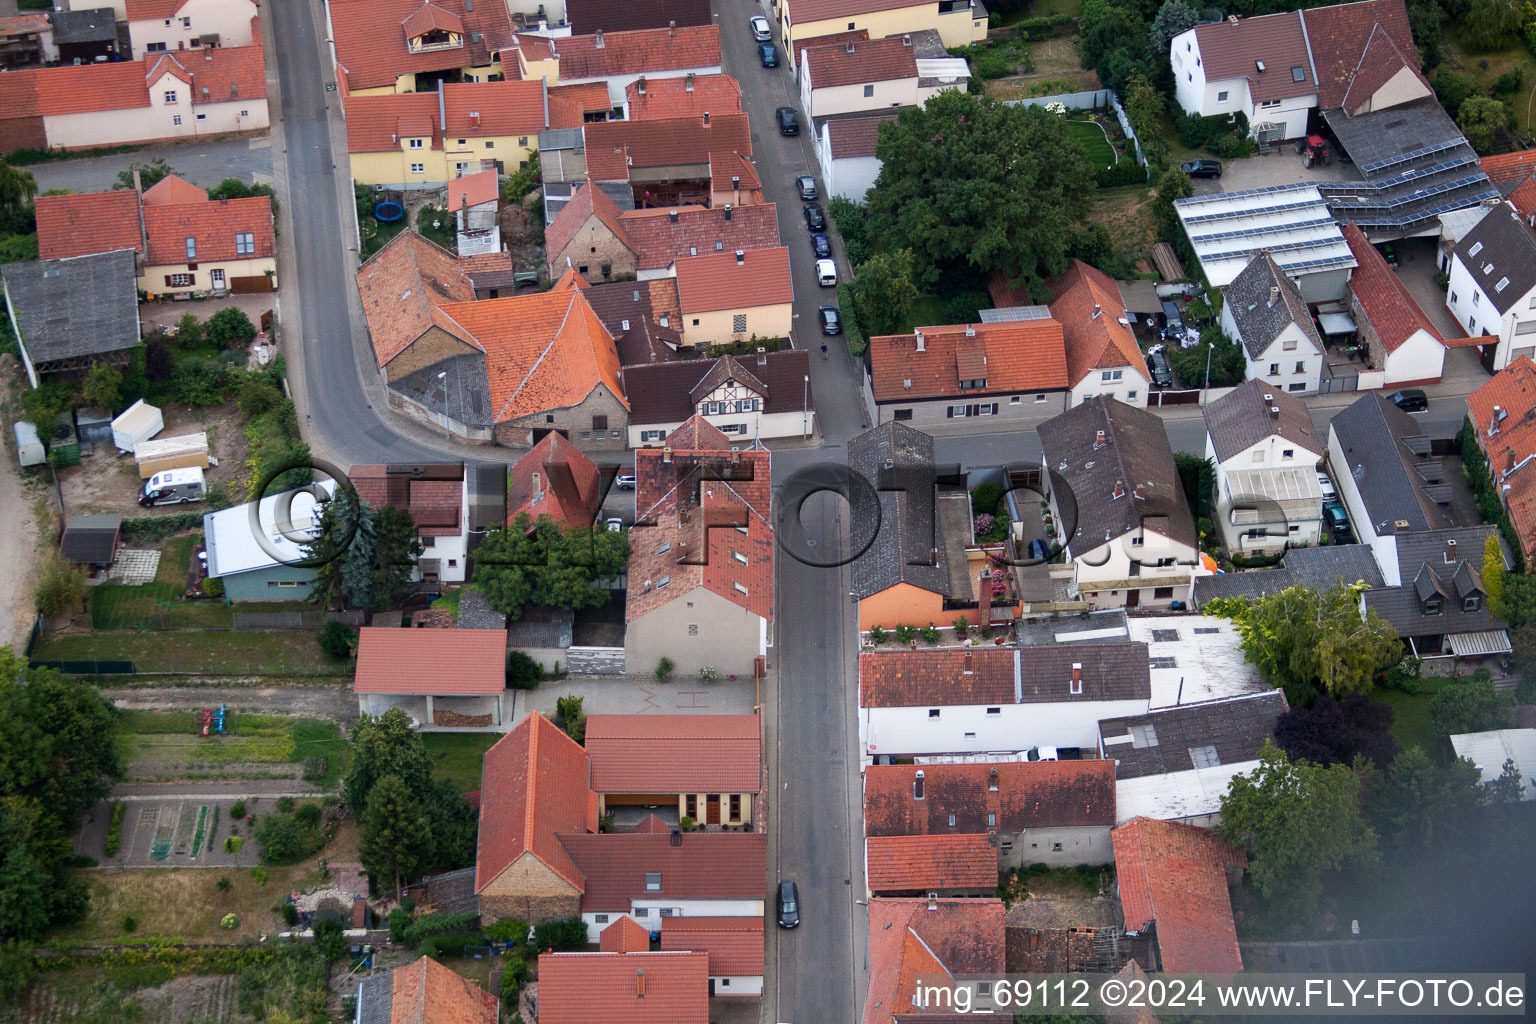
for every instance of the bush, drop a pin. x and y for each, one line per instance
(428, 925)
(686, 823)
(523, 672)
(287, 911)
(59, 587)
(130, 923)
(285, 804)
(561, 935)
(237, 810)
(260, 875)
(230, 922)
(286, 840)
(1126, 171)
(853, 331)
(329, 941)
(230, 328)
(115, 829)
(930, 633)
(709, 674)
(987, 498)
(224, 883)
(232, 844)
(399, 920)
(308, 814)
(664, 669)
(570, 716)
(508, 929)
(452, 944)
(337, 640)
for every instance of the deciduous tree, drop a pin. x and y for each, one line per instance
(554, 565)
(385, 745)
(230, 328)
(1336, 732)
(883, 289)
(59, 586)
(1173, 17)
(56, 739)
(17, 187)
(396, 832)
(103, 387)
(1480, 118)
(1471, 705)
(149, 174)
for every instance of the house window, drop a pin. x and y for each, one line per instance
(933, 712)
(1298, 73)
(1016, 399)
(1289, 346)
(1136, 541)
(607, 269)
(725, 982)
(1432, 606)
(1274, 368)
(1269, 104)
(1111, 375)
(191, 249)
(850, 26)
(1472, 326)
(695, 321)
(1007, 846)
(663, 581)
(1130, 396)
(1288, 453)
(991, 819)
(186, 22)
(599, 918)
(739, 557)
(1204, 757)
(739, 323)
(1475, 249)
(994, 711)
(170, 95)
(1143, 736)
(202, 117)
(740, 588)
(951, 821)
(869, 90)
(1039, 399)
(1474, 297)
(1162, 593)
(245, 243)
(1055, 847)
(155, 48)
(463, 141)
(735, 807)
(599, 422)
(1221, 97)
(902, 415)
(416, 143)
(492, 145)
(1503, 283)
(653, 881)
(1258, 457)
(1301, 367)
(522, 140)
(957, 411)
(179, 280)
(418, 168)
(693, 629)
(1471, 604)
(176, 119)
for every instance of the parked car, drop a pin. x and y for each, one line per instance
(760, 30)
(1325, 484)
(625, 481)
(789, 905)
(1162, 374)
(822, 247)
(831, 319)
(1039, 549)
(173, 487)
(826, 273)
(615, 525)
(768, 54)
(789, 124)
(1338, 519)
(1202, 168)
(1173, 322)
(1042, 754)
(807, 186)
(1412, 400)
(815, 219)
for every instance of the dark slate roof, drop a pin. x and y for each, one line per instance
(91, 540)
(376, 999)
(1135, 453)
(1319, 568)
(1236, 726)
(587, 16)
(1426, 567)
(1381, 445)
(1260, 320)
(82, 306)
(541, 627)
(1243, 417)
(94, 26)
(645, 341)
(1508, 250)
(1000, 675)
(475, 611)
(664, 392)
(469, 390)
(908, 523)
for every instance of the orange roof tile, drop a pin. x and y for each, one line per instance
(626, 935)
(908, 940)
(473, 190)
(503, 108)
(1093, 342)
(1523, 198)
(535, 47)
(569, 104)
(171, 190)
(1338, 35)
(79, 225)
(426, 992)
(403, 286)
(675, 753)
(376, 124)
(1028, 794)
(554, 479)
(904, 863)
(1174, 875)
(375, 56)
(700, 866)
(1017, 355)
(436, 661)
(433, 495)
(636, 988)
(144, 10)
(587, 201)
(1379, 64)
(1506, 167)
(690, 96)
(1391, 309)
(23, 24)
(734, 280)
(213, 225)
(1513, 392)
(615, 146)
(429, 18)
(533, 788)
(857, 63)
(544, 351)
(603, 55)
(221, 74)
(657, 237)
(734, 944)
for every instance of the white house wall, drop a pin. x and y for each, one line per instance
(157, 121)
(230, 20)
(851, 99)
(1349, 491)
(1131, 387)
(1420, 358)
(1024, 410)
(1188, 72)
(1470, 306)
(737, 985)
(618, 83)
(969, 729)
(1061, 847)
(1298, 371)
(743, 427)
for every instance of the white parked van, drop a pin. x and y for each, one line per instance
(826, 273)
(173, 487)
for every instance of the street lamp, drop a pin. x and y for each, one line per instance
(805, 411)
(444, 378)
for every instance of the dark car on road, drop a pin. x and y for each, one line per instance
(815, 219)
(789, 905)
(821, 245)
(831, 319)
(789, 124)
(1337, 519)
(768, 54)
(807, 186)
(1202, 168)
(1162, 375)
(1412, 400)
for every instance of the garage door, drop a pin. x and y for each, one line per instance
(254, 283)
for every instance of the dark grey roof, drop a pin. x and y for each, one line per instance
(1236, 726)
(1428, 567)
(475, 611)
(1381, 447)
(1260, 318)
(662, 392)
(1505, 247)
(1319, 568)
(629, 302)
(909, 529)
(469, 390)
(82, 306)
(1135, 454)
(376, 999)
(541, 627)
(1001, 675)
(587, 16)
(1059, 629)
(91, 540)
(1244, 416)
(93, 26)
(1139, 296)
(487, 497)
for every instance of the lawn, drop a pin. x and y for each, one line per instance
(1410, 727)
(927, 311)
(162, 604)
(381, 234)
(229, 652)
(174, 738)
(457, 756)
(1094, 142)
(176, 559)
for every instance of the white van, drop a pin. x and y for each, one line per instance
(173, 487)
(826, 273)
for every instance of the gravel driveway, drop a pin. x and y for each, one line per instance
(326, 700)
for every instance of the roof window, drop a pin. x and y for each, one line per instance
(1475, 249)
(1298, 73)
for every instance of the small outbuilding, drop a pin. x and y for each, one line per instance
(139, 422)
(29, 449)
(443, 678)
(92, 540)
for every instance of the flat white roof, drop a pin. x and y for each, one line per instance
(287, 521)
(1194, 658)
(1489, 751)
(1293, 222)
(1176, 795)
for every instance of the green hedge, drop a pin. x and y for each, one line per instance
(126, 963)
(429, 925)
(853, 331)
(449, 944)
(1475, 465)
(147, 529)
(115, 829)
(1042, 28)
(1126, 171)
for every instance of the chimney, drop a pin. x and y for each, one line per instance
(992, 779)
(727, 212)
(671, 216)
(640, 85)
(762, 355)
(474, 119)
(970, 330)
(597, 39)
(969, 664)
(919, 336)
(706, 119)
(1450, 550)
(1232, 19)
(666, 453)
(677, 837)
(735, 182)
(984, 599)
(1099, 440)
(1274, 412)
(640, 984)
(671, 28)
(933, 901)
(1509, 462)
(741, 257)
(1077, 677)
(688, 82)
(1493, 428)
(917, 785)
(1119, 491)
(1274, 294)
(463, 200)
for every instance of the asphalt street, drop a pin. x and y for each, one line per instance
(204, 164)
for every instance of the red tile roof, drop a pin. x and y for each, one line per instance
(403, 286)
(473, 190)
(1338, 36)
(852, 137)
(533, 788)
(1115, 670)
(908, 940)
(675, 753)
(603, 55)
(430, 17)
(225, 73)
(928, 862)
(804, 12)
(23, 24)
(79, 225)
(1029, 794)
(434, 661)
(1392, 311)
(705, 866)
(377, 124)
(657, 237)
(626, 935)
(214, 225)
(433, 495)
(144, 10)
(554, 479)
(613, 147)
(734, 944)
(734, 280)
(586, 202)
(375, 53)
(1506, 167)
(635, 988)
(569, 104)
(1382, 60)
(1019, 355)
(171, 190)
(1523, 198)
(1513, 391)
(857, 63)
(543, 351)
(1231, 49)
(504, 108)
(1174, 876)
(1093, 342)
(426, 992)
(830, 39)
(690, 96)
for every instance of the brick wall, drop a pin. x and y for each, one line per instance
(593, 247)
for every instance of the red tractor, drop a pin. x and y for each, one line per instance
(1314, 150)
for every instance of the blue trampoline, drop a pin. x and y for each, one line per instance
(388, 211)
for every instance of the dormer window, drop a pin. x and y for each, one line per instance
(1471, 602)
(435, 39)
(1433, 605)
(191, 249)
(974, 384)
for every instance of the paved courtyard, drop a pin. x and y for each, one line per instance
(135, 566)
(1280, 167)
(204, 164)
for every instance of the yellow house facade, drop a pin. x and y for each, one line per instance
(956, 21)
(738, 323)
(734, 296)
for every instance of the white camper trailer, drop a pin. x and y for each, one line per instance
(139, 422)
